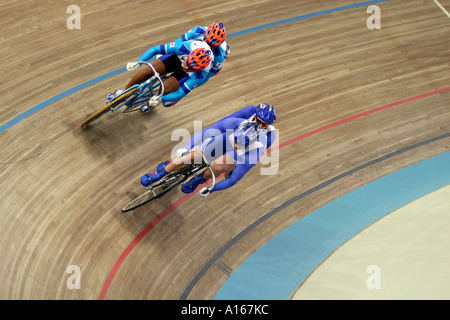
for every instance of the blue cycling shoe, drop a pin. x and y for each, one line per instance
(190, 186)
(111, 96)
(160, 167)
(146, 179)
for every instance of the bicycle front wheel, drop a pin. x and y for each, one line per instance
(155, 192)
(114, 103)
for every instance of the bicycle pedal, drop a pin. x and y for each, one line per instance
(145, 108)
(153, 191)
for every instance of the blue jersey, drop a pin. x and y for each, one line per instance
(182, 50)
(220, 52)
(219, 136)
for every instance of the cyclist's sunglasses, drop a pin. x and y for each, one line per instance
(262, 123)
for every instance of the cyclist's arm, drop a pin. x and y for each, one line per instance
(244, 113)
(195, 33)
(215, 69)
(237, 174)
(153, 51)
(241, 169)
(266, 139)
(168, 48)
(225, 124)
(212, 73)
(174, 96)
(219, 127)
(219, 60)
(271, 135)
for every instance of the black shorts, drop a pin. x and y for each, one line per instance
(173, 64)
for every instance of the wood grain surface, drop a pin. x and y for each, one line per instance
(62, 188)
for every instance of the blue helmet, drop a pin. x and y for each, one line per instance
(245, 134)
(266, 112)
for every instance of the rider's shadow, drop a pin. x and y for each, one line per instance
(116, 135)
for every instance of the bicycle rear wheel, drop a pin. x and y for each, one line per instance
(120, 99)
(159, 189)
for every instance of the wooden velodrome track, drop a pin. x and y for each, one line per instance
(62, 188)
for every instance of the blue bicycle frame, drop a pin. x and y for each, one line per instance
(147, 89)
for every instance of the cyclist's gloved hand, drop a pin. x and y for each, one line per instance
(204, 192)
(132, 66)
(154, 101)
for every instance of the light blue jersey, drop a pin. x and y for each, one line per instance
(196, 33)
(182, 50)
(220, 52)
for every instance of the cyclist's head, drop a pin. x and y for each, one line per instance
(199, 59)
(215, 34)
(245, 134)
(265, 114)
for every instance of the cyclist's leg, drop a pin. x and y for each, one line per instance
(203, 177)
(224, 164)
(176, 164)
(163, 65)
(174, 82)
(180, 163)
(171, 84)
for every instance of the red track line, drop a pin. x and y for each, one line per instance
(136, 240)
(180, 201)
(356, 116)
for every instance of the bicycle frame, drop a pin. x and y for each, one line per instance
(184, 173)
(205, 163)
(147, 89)
(133, 97)
(209, 167)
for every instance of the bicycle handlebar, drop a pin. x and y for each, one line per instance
(156, 74)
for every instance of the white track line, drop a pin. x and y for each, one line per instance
(442, 8)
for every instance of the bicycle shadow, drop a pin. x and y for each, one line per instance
(115, 135)
(164, 212)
